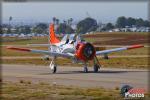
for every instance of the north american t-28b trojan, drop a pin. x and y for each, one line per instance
(73, 47)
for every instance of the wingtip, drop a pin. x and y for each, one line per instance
(135, 46)
(18, 49)
(8, 47)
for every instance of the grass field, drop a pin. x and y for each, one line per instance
(118, 38)
(26, 90)
(96, 37)
(23, 41)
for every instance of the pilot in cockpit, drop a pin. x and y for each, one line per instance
(71, 38)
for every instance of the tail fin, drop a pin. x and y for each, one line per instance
(52, 37)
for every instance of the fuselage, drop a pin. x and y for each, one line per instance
(67, 44)
(73, 44)
(63, 48)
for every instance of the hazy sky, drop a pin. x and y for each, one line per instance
(102, 11)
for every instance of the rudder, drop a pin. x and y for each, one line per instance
(52, 37)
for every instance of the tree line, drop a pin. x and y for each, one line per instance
(122, 22)
(86, 25)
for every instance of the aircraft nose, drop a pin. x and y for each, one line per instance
(89, 50)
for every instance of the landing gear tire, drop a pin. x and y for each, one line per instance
(85, 70)
(53, 65)
(54, 69)
(96, 67)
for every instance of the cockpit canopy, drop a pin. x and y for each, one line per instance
(71, 38)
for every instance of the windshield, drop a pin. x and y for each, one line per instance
(65, 37)
(71, 37)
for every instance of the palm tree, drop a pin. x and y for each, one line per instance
(70, 21)
(65, 22)
(9, 28)
(57, 21)
(54, 20)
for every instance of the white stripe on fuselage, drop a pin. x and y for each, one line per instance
(63, 48)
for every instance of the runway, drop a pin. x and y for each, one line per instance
(73, 76)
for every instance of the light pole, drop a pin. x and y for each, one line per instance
(9, 29)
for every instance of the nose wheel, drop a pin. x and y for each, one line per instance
(53, 66)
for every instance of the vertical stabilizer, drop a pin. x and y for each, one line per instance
(52, 37)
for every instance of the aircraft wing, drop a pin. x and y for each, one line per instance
(118, 49)
(67, 55)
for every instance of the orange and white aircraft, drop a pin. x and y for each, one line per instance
(72, 46)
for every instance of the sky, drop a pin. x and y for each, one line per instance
(44, 11)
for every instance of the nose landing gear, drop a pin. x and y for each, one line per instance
(53, 65)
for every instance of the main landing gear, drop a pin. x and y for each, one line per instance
(97, 65)
(53, 65)
(95, 68)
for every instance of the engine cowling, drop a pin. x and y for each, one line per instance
(85, 51)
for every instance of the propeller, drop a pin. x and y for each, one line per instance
(85, 51)
(88, 50)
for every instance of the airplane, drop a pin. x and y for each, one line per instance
(74, 47)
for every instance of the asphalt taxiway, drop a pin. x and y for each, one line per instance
(73, 76)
